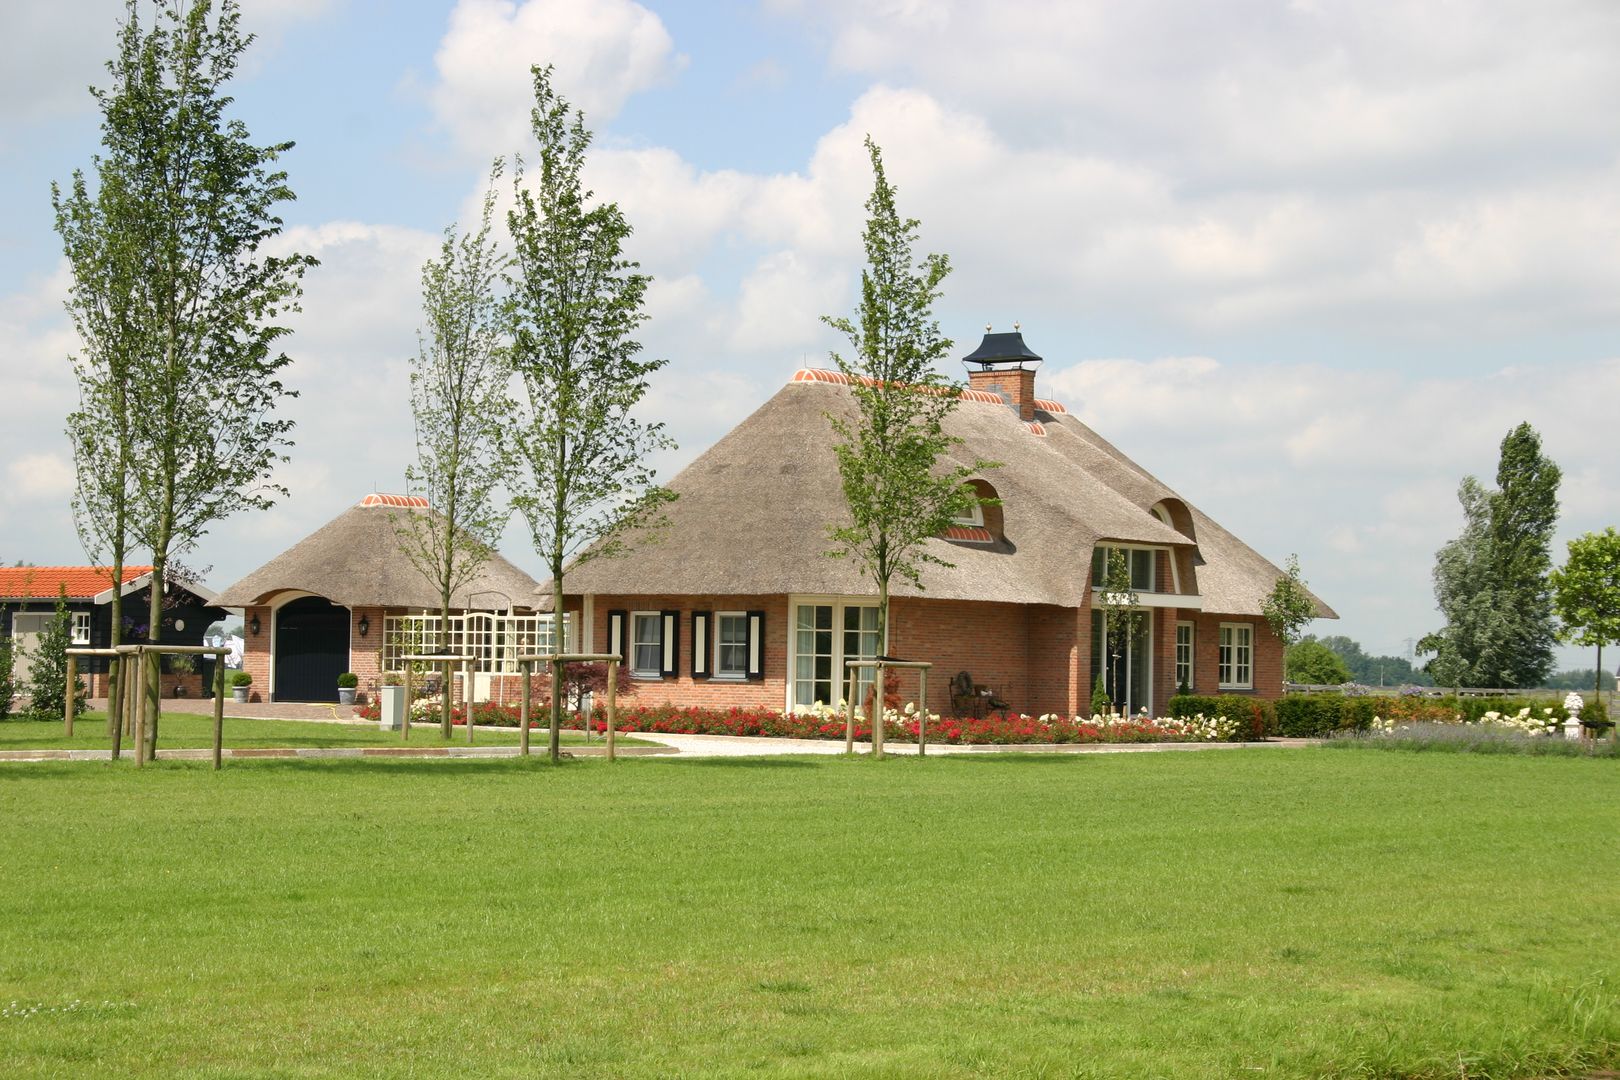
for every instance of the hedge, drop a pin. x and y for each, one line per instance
(1260, 714)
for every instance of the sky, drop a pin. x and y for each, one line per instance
(1307, 262)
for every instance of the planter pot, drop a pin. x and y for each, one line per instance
(346, 695)
(391, 717)
(239, 694)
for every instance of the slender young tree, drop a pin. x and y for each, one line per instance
(1586, 594)
(580, 476)
(101, 233)
(204, 373)
(898, 491)
(460, 404)
(1122, 614)
(1288, 607)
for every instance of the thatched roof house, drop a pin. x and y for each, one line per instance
(748, 532)
(335, 602)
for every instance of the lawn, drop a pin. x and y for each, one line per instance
(1276, 913)
(177, 731)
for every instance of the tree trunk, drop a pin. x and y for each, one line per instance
(559, 646)
(878, 705)
(154, 635)
(444, 650)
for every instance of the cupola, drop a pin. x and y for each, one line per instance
(1003, 364)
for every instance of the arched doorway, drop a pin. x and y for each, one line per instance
(312, 649)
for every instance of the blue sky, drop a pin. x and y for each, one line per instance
(1308, 261)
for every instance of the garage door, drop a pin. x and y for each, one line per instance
(312, 649)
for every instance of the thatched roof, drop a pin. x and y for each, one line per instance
(356, 560)
(752, 513)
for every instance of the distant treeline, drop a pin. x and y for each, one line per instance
(1398, 671)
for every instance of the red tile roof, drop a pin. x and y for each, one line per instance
(1056, 408)
(81, 582)
(825, 376)
(972, 534)
(415, 502)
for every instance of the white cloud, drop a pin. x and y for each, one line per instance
(1356, 471)
(40, 477)
(604, 51)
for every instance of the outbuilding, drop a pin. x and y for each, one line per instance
(347, 598)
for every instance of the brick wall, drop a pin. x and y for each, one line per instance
(1268, 654)
(256, 651)
(768, 693)
(365, 653)
(989, 641)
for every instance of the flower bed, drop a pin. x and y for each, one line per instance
(826, 723)
(901, 726)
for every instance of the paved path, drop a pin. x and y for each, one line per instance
(750, 746)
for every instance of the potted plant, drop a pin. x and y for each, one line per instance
(346, 686)
(391, 717)
(240, 681)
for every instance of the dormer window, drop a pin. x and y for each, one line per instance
(1141, 561)
(972, 516)
(978, 523)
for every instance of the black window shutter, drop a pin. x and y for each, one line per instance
(617, 621)
(671, 640)
(756, 645)
(702, 663)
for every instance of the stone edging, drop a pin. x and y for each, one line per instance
(245, 752)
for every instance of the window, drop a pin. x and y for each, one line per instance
(972, 516)
(647, 644)
(1141, 560)
(1237, 656)
(1184, 655)
(731, 645)
(495, 641)
(81, 628)
(824, 637)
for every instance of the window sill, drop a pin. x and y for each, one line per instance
(1237, 689)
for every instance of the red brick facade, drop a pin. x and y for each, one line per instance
(1035, 657)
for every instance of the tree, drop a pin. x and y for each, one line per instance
(1491, 582)
(1523, 517)
(460, 405)
(1289, 605)
(8, 676)
(1116, 598)
(580, 477)
(1314, 664)
(47, 681)
(889, 452)
(198, 201)
(1586, 594)
(1374, 670)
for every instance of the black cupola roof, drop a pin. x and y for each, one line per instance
(999, 350)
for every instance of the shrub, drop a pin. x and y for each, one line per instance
(1311, 716)
(348, 680)
(8, 684)
(1101, 703)
(1256, 717)
(240, 678)
(48, 687)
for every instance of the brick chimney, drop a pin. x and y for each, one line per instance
(1005, 366)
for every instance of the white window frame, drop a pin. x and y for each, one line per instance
(719, 671)
(79, 631)
(657, 619)
(840, 673)
(1185, 670)
(1153, 564)
(972, 517)
(1237, 656)
(495, 640)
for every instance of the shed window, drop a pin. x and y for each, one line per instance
(81, 628)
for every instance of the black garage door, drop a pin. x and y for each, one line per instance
(312, 649)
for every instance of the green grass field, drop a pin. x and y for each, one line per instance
(179, 731)
(1294, 913)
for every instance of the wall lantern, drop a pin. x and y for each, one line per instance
(253, 626)
(365, 625)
